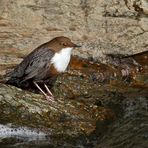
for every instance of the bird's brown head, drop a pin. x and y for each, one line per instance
(61, 42)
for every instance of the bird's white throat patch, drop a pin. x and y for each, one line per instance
(61, 59)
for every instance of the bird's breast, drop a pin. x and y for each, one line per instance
(61, 59)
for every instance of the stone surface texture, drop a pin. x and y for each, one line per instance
(101, 26)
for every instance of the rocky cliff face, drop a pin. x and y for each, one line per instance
(101, 26)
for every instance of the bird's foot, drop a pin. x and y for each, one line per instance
(49, 92)
(50, 98)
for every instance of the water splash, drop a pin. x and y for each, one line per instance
(7, 131)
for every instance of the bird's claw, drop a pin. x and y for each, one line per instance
(50, 98)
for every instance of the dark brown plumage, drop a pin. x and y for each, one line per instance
(37, 66)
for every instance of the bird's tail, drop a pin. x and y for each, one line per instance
(17, 82)
(13, 81)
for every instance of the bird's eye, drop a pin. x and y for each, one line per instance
(64, 44)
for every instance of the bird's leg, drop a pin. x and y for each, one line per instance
(50, 93)
(49, 98)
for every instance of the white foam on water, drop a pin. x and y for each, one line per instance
(21, 132)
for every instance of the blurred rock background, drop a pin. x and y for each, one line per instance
(101, 26)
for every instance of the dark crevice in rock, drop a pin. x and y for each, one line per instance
(137, 7)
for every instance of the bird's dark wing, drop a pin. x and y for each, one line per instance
(34, 65)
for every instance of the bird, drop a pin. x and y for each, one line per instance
(43, 65)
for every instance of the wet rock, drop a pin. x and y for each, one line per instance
(130, 129)
(84, 114)
(64, 117)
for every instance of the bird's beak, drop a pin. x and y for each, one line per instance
(75, 45)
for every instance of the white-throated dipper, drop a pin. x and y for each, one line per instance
(43, 65)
